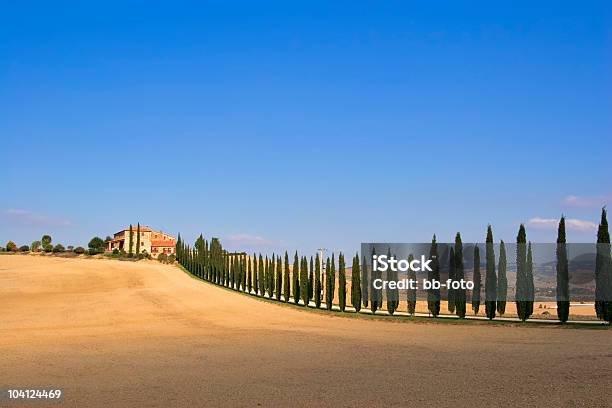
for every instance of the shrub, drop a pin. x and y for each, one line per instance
(58, 248)
(24, 248)
(92, 251)
(11, 246)
(115, 251)
(171, 258)
(79, 250)
(47, 248)
(163, 258)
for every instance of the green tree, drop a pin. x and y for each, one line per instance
(58, 248)
(286, 279)
(317, 284)
(311, 279)
(138, 251)
(296, 279)
(502, 280)
(563, 304)
(11, 246)
(460, 294)
(451, 276)
(411, 293)
(477, 284)
(131, 243)
(341, 282)
(328, 286)
(433, 295)
(35, 246)
(262, 276)
(46, 240)
(356, 284)
(522, 286)
(255, 275)
(375, 294)
(96, 245)
(490, 277)
(603, 271)
(304, 280)
(249, 276)
(391, 293)
(365, 282)
(279, 278)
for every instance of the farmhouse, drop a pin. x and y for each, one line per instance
(151, 241)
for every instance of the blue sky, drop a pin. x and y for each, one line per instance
(283, 125)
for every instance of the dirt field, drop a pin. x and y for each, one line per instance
(115, 333)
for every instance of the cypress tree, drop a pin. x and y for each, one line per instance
(278, 282)
(365, 283)
(460, 294)
(249, 276)
(375, 294)
(261, 279)
(332, 275)
(411, 294)
(138, 241)
(341, 282)
(433, 295)
(131, 245)
(296, 279)
(603, 271)
(272, 285)
(286, 281)
(451, 276)
(562, 274)
(328, 286)
(266, 277)
(317, 285)
(244, 276)
(391, 293)
(304, 280)
(356, 284)
(311, 279)
(521, 275)
(502, 280)
(255, 275)
(490, 277)
(476, 291)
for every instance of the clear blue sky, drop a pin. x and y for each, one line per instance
(280, 125)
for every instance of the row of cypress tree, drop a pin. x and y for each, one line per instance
(300, 282)
(303, 282)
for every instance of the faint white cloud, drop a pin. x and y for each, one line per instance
(570, 224)
(243, 239)
(24, 217)
(587, 201)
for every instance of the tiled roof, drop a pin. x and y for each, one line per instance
(168, 243)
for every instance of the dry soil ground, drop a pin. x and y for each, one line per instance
(115, 333)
